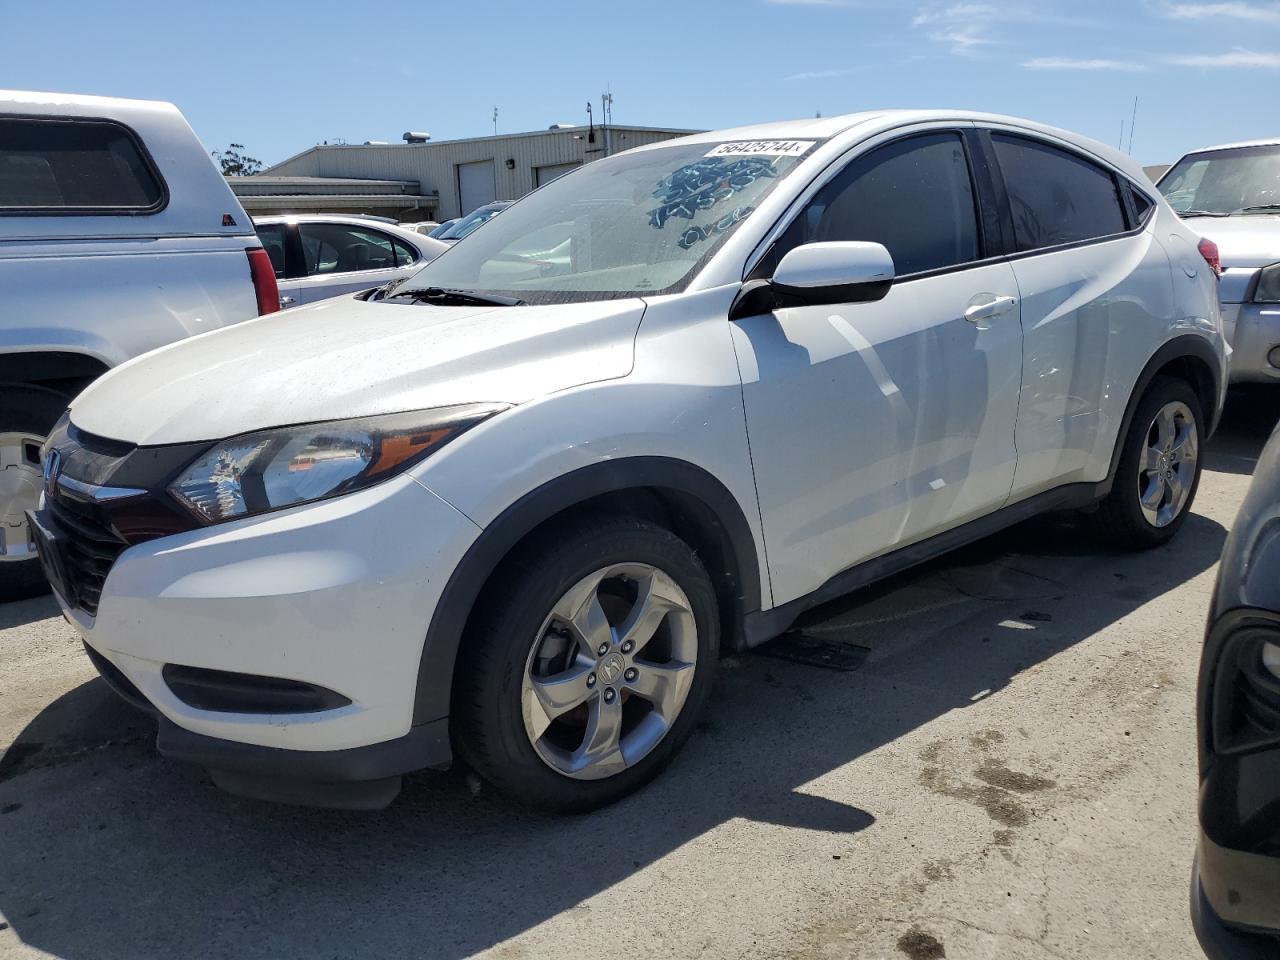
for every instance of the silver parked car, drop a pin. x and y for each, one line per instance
(324, 255)
(1231, 194)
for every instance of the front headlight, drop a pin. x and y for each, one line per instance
(1268, 290)
(271, 469)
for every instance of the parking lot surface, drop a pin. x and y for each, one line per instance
(1010, 772)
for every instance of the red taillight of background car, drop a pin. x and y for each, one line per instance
(264, 280)
(1209, 250)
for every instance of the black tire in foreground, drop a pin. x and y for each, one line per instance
(527, 647)
(27, 414)
(1159, 469)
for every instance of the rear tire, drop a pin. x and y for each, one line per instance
(1159, 469)
(27, 415)
(639, 579)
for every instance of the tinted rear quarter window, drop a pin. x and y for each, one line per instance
(915, 196)
(272, 237)
(93, 167)
(1056, 196)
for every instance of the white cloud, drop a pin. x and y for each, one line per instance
(819, 74)
(1239, 58)
(966, 28)
(1071, 63)
(1253, 12)
(956, 12)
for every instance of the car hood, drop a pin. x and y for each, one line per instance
(347, 358)
(1251, 240)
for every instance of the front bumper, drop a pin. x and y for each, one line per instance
(1235, 907)
(1253, 330)
(337, 594)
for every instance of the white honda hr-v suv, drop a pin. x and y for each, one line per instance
(516, 505)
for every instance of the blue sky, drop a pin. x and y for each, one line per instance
(279, 77)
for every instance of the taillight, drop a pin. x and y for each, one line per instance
(1209, 250)
(264, 281)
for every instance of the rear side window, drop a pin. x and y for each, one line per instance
(405, 254)
(1141, 203)
(1056, 196)
(272, 237)
(336, 248)
(915, 196)
(91, 167)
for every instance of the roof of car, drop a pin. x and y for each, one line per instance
(877, 121)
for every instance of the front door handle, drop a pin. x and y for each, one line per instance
(994, 308)
(285, 301)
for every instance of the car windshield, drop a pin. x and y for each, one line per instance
(639, 223)
(468, 223)
(1239, 180)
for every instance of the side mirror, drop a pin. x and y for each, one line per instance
(847, 271)
(840, 272)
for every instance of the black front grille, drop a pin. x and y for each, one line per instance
(89, 548)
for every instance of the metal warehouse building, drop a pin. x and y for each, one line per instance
(431, 180)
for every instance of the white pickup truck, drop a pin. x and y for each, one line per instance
(117, 235)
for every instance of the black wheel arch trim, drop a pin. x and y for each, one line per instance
(448, 622)
(1186, 346)
(39, 366)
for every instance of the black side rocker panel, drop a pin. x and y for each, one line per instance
(763, 625)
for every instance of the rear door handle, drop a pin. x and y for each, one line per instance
(285, 301)
(985, 311)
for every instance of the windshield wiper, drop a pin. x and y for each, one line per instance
(1259, 208)
(459, 297)
(1201, 213)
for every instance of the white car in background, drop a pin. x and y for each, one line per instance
(322, 255)
(1231, 194)
(519, 504)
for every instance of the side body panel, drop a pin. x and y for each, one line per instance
(325, 285)
(115, 299)
(874, 425)
(1094, 316)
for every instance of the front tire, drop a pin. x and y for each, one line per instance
(1159, 469)
(27, 415)
(593, 653)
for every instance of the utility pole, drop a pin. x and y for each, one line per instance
(495, 121)
(1132, 122)
(606, 117)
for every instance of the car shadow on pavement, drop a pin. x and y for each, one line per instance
(108, 850)
(18, 613)
(1250, 415)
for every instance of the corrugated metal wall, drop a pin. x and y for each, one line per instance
(434, 165)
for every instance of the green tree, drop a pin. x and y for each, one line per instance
(236, 163)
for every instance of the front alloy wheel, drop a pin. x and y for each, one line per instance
(27, 415)
(609, 671)
(592, 652)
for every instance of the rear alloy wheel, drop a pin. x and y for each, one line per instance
(29, 413)
(1159, 469)
(1168, 465)
(588, 667)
